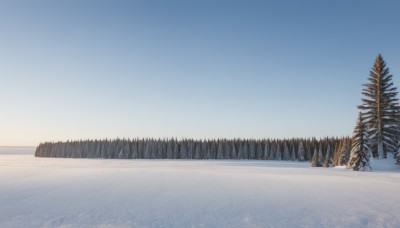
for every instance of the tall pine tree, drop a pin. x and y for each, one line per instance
(380, 107)
(359, 158)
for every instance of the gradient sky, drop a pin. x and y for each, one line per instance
(201, 69)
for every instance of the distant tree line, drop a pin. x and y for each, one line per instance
(323, 152)
(377, 133)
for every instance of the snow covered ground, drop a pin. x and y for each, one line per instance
(48, 192)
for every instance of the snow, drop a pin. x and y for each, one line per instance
(51, 192)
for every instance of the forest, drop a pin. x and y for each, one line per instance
(323, 152)
(376, 133)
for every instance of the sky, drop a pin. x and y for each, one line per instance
(188, 69)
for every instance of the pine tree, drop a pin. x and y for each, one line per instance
(169, 150)
(328, 157)
(286, 152)
(245, 151)
(300, 152)
(314, 161)
(278, 154)
(320, 155)
(260, 151)
(220, 153)
(359, 159)
(233, 151)
(197, 154)
(380, 108)
(344, 153)
(266, 151)
(397, 159)
(240, 153)
(272, 151)
(293, 153)
(252, 151)
(227, 154)
(135, 154)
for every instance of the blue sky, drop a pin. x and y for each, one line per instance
(198, 69)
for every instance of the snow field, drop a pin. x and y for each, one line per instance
(50, 192)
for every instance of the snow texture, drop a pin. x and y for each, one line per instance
(54, 192)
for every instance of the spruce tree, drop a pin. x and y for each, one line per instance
(397, 159)
(301, 152)
(320, 154)
(314, 161)
(344, 153)
(380, 107)
(328, 158)
(197, 154)
(278, 154)
(266, 151)
(293, 153)
(233, 151)
(286, 152)
(359, 159)
(220, 153)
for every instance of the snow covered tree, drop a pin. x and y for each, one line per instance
(245, 151)
(197, 154)
(190, 150)
(300, 152)
(328, 157)
(233, 151)
(293, 153)
(314, 162)
(380, 107)
(227, 154)
(260, 152)
(135, 154)
(320, 155)
(359, 159)
(272, 152)
(183, 150)
(252, 151)
(308, 156)
(278, 154)
(266, 151)
(220, 153)
(286, 152)
(344, 153)
(397, 159)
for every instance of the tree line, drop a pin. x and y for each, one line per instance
(323, 152)
(376, 134)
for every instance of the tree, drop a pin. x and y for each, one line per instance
(293, 153)
(286, 152)
(220, 153)
(344, 153)
(135, 154)
(359, 158)
(301, 152)
(278, 154)
(252, 151)
(320, 155)
(314, 161)
(233, 151)
(260, 151)
(380, 108)
(266, 151)
(397, 154)
(398, 159)
(328, 157)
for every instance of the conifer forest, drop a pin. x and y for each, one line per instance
(376, 135)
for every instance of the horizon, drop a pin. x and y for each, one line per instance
(74, 70)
